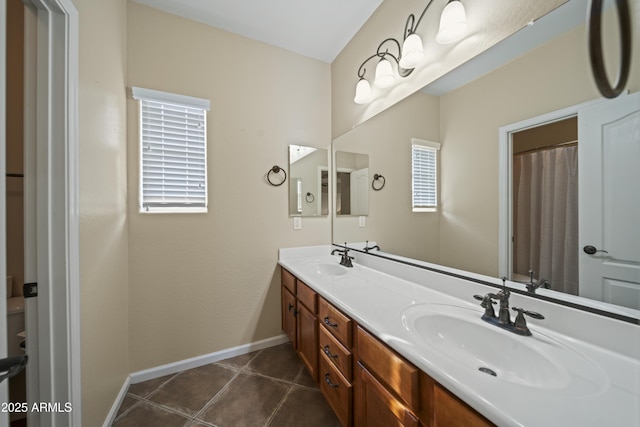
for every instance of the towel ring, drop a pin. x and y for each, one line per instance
(376, 177)
(595, 48)
(275, 170)
(310, 198)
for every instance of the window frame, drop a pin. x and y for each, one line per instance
(433, 147)
(182, 101)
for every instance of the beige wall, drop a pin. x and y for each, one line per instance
(387, 139)
(552, 77)
(200, 283)
(103, 214)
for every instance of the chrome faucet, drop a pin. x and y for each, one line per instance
(344, 254)
(503, 320)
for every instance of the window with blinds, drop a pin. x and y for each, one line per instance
(424, 175)
(173, 152)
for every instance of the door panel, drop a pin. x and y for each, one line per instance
(609, 197)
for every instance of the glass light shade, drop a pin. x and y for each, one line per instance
(453, 23)
(412, 51)
(384, 74)
(363, 92)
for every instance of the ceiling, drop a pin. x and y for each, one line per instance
(318, 29)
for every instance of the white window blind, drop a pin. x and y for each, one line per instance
(173, 152)
(424, 175)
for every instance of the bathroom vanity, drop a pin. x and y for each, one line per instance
(396, 345)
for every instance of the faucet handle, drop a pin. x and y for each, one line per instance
(528, 313)
(487, 304)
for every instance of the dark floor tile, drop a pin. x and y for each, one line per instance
(145, 388)
(189, 391)
(249, 400)
(280, 362)
(145, 414)
(305, 404)
(239, 361)
(305, 379)
(127, 403)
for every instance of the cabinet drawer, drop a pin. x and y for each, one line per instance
(391, 369)
(288, 280)
(306, 296)
(339, 356)
(337, 390)
(337, 323)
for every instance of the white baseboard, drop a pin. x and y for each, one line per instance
(205, 359)
(111, 416)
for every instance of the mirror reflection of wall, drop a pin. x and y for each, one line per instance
(352, 183)
(465, 234)
(308, 181)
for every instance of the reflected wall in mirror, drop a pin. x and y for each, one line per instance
(465, 232)
(352, 183)
(308, 181)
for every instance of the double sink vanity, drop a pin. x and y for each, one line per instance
(394, 344)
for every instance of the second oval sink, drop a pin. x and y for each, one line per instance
(459, 334)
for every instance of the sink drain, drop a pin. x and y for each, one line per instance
(488, 371)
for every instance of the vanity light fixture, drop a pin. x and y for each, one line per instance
(453, 26)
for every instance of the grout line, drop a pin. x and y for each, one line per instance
(280, 404)
(221, 392)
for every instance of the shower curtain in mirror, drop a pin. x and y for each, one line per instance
(545, 216)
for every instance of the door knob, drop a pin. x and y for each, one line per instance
(592, 250)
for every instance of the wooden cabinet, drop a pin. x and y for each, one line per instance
(365, 382)
(441, 408)
(336, 361)
(377, 406)
(299, 320)
(387, 386)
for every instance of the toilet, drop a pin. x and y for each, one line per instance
(15, 322)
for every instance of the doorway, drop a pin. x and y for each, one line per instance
(545, 205)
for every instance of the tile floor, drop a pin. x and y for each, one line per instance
(269, 387)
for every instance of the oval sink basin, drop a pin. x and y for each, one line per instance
(326, 269)
(538, 361)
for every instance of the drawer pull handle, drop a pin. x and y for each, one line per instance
(328, 381)
(328, 353)
(328, 323)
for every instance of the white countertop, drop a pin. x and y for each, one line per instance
(609, 395)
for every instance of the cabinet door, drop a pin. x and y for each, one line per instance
(308, 340)
(289, 311)
(375, 406)
(449, 411)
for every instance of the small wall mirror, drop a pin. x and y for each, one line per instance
(309, 181)
(352, 183)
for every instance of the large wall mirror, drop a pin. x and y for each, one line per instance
(308, 181)
(469, 229)
(352, 183)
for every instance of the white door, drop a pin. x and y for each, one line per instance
(360, 192)
(609, 201)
